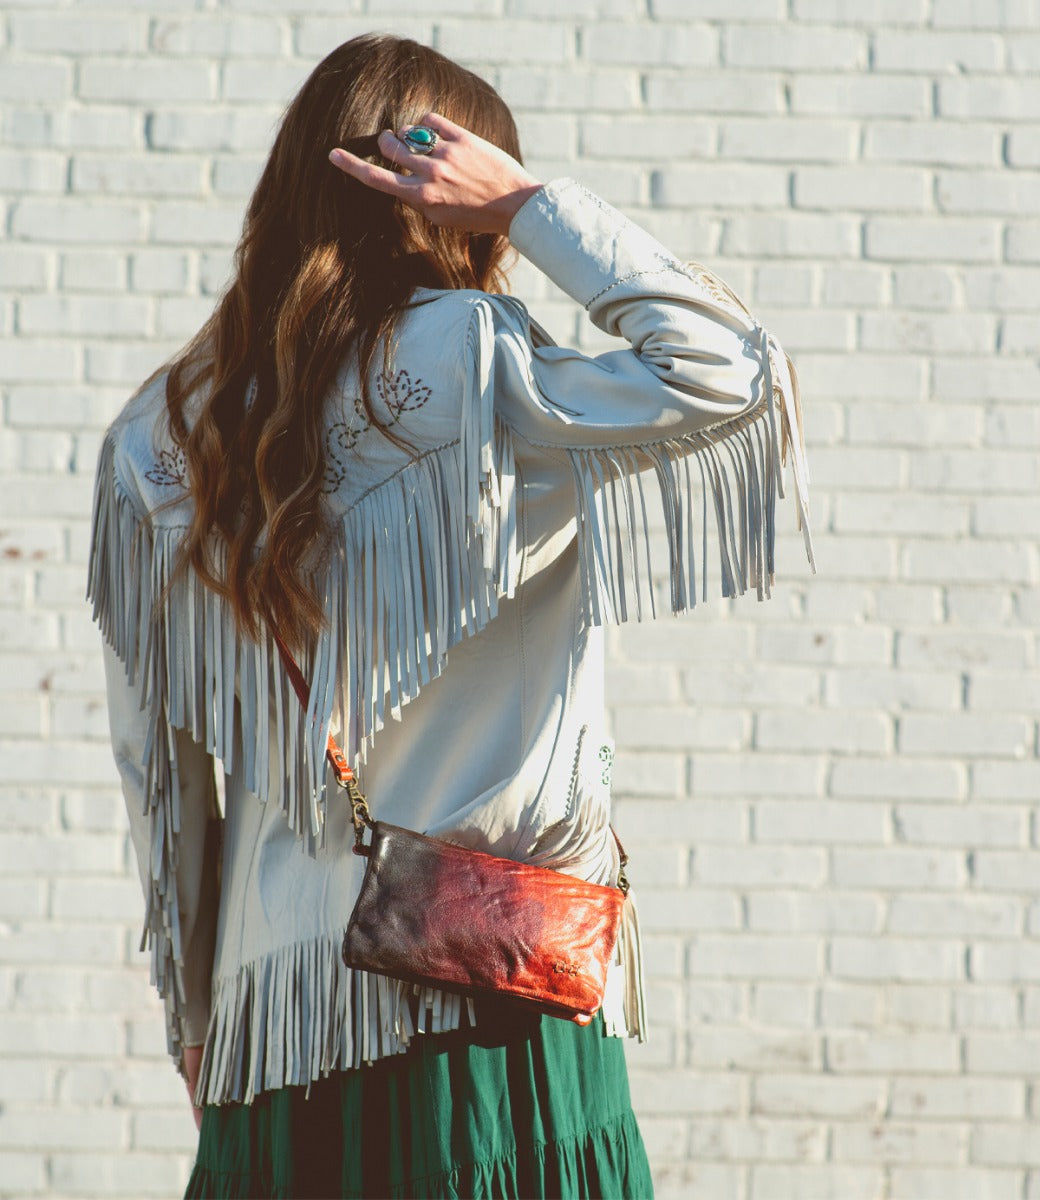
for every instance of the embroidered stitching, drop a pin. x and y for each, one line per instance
(400, 394)
(170, 469)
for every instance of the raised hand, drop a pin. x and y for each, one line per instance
(462, 182)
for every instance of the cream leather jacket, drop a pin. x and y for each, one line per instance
(467, 585)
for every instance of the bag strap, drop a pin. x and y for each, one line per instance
(337, 760)
(347, 780)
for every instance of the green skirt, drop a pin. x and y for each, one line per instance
(521, 1106)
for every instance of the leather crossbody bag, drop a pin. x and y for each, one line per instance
(438, 914)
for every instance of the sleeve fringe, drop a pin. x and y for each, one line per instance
(717, 487)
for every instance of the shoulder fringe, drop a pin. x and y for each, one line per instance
(415, 565)
(726, 477)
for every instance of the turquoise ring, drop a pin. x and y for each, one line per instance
(420, 139)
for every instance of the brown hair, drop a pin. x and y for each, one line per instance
(325, 266)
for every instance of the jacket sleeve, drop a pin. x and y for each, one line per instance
(178, 842)
(702, 401)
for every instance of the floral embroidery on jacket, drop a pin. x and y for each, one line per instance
(400, 394)
(170, 469)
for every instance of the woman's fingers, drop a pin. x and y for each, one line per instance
(370, 174)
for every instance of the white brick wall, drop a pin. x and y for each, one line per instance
(830, 799)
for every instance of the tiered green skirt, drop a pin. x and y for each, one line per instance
(520, 1107)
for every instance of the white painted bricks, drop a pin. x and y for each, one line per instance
(829, 799)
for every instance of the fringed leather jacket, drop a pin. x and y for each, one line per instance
(470, 573)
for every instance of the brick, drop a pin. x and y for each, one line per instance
(934, 142)
(849, 1006)
(1000, 14)
(746, 956)
(1011, 562)
(790, 49)
(743, 684)
(1016, 1054)
(954, 1183)
(649, 775)
(1005, 870)
(755, 866)
(60, 1035)
(146, 80)
(90, 315)
(917, 1006)
(730, 91)
(854, 285)
(606, 89)
(860, 95)
(160, 271)
(20, 899)
(93, 271)
(718, 185)
(819, 1095)
(821, 731)
(784, 1004)
(900, 1142)
(981, 1007)
(862, 189)
(968, 471)
(928, 50)
(1023, 243)
(1004, 1144)
(124, 362)
(759, 774)
(75, 34)
(1000, 98)
(927, 515)
(925, 287)
(32, 172)
(968, 916)
(236, 176)
(929, 333)
(78, 221)
(181, 316)
(876, 377)
(1014, 691)
(897, 868)
(1016, 193)
(669, 1092)
(794, 235)
(1005, 961)
(673, 909)
(150, 175)
(194, 224)
(1009, 516)
(757, 1050)
(900, 959)
(212, 128)
(23, 1172)
(42, 79)
(678, 728)
(659, 44)
(1023, 146)
(923, 238)
(813, 912)
(1019, 335)
(218, 36)
(693, 820)
(790, 139)
(817, 822)
(842, 12)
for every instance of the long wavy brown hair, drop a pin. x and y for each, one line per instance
(324, 269)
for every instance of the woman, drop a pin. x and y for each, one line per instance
(374, 453)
